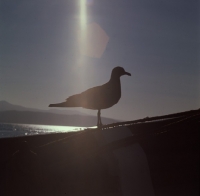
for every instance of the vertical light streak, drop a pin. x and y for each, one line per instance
(82, 42)
(83, 25)
(83, 15)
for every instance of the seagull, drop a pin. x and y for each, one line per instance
(99, 97)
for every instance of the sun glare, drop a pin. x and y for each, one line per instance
(92, 38)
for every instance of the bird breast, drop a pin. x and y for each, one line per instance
(102, 97)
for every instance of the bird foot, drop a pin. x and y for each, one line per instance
(99, 126)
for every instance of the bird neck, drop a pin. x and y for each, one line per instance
(114, 77)
(115, 82)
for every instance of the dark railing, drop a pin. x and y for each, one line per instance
(75, 163)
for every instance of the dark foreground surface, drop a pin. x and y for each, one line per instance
(89, 162)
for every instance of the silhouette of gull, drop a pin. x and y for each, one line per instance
(99, 97)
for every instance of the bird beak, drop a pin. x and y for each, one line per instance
(126, 73)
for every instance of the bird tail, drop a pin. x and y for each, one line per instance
(64, 104)
(73, 101)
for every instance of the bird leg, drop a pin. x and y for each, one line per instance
(100, 118)
(99, 124)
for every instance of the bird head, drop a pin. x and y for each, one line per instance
(118, 72)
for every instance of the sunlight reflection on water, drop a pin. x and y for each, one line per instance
(15, 130)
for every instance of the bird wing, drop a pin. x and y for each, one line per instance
(87, 99)
(99, 97)
(93, 98)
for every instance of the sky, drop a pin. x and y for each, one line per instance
(43, 55)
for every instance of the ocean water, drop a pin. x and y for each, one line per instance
(15, 130)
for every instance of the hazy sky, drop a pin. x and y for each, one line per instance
(156, 41)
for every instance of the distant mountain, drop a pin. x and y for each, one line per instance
(10, 113)
(6, 106)
(42, 118)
